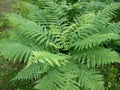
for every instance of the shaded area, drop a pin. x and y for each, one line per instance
(5, 6)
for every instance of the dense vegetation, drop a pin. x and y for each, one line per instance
(63, 45)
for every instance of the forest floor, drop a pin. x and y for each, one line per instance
(5, 67)
(5, 6)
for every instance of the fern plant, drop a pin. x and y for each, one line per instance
(61, 53)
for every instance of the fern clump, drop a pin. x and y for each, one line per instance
(61, 52)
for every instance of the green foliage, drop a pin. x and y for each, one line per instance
(112, 74)
(5, 75)
(62, 51)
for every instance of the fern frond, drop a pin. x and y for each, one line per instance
(31, 30)
(45, 15)
(89, 79)
(47, 57)
(93, 41)
(32, 72)
(61, 45)
(96, 57)
(58, 79)
(63, 79)
(114, 27)
(106, 15)
(32, 11)
(16, 52)
(22, 39)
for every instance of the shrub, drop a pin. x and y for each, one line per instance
(62, 51)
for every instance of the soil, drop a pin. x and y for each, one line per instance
(6, 6)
